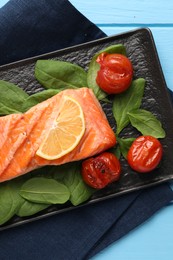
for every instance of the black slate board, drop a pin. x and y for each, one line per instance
(142, 52)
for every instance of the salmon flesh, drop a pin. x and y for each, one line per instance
(22, 134)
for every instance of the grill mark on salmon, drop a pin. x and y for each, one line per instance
(21, 155)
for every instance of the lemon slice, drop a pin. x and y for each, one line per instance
(66, 132)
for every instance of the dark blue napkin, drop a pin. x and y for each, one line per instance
(28, 28)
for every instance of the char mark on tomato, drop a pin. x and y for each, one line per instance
(101, 170)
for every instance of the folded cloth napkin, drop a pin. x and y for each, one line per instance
(28, 28)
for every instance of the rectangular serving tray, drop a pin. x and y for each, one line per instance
(142, 52)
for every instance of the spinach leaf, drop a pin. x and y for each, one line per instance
(70, 175)
(79, 191)
(125, 145)
(146, 123)
(44, 190)
(29, 208)
(37, 98)
(60, 75)
(11, 203)
(125, 102)
(5, 110)
(116, 151)
(94, 67)
(10, 200)
(7, 204)
(11, 98)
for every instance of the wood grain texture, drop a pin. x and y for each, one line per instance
(126, 12)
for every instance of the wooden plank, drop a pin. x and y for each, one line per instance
(127, 12)
(3, 2)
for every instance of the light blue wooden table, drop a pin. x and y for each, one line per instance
(153, 239)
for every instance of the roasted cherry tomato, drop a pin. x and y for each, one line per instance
(145, 154)
(99, 171)
(115, 74)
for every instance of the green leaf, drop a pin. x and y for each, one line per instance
(125, 145)
(11, 98)
(70, 175)
(29, 208)
(60, 75)
(38, 98)
(44, 190)
(127, 101)
(79, 190)
(146, 123)
(10, 200)
(94, 67)
(7, 204)
(116, 151)
(5, 110)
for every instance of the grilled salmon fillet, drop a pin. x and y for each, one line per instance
(22, 134)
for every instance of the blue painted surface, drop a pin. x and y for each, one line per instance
(153, 239)
(2, 2)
